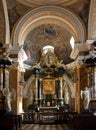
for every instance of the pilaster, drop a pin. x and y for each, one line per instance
(81, 84)
(15, 78)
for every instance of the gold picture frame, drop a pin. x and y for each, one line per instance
(49, 86)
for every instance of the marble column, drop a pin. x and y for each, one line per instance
(94, 83)
(39, 89)
(1, 79)
(61, 94)
(36, 89)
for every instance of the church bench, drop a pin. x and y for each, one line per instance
(83, 122)
(17, 121)
(10, 122)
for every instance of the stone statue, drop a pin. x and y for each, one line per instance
(9, 95)
(66, 94)
(8, 98)
(49, 59)
(85, 95)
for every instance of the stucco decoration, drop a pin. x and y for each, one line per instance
(49, 2)
(49, 14)
(92, 21)
(47, 34)
(18, 8)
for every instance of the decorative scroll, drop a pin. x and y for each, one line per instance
(49, 86)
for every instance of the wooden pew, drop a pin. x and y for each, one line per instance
(6, 123)
(17, 121)
(83, 122)
(10, 122)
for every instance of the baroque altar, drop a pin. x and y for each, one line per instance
(49, 85)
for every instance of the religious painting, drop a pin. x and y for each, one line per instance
(49, 86)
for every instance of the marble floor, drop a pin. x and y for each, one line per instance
(44, 127)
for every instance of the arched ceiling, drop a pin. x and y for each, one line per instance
(49, 2)
(48, 34)
(49, 15)
(48, 25)
(51, 26)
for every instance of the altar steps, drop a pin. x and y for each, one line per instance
(44, 127)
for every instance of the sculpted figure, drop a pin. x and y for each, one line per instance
(49, 59)
(66, 94)
(9, 95)
(85, 95)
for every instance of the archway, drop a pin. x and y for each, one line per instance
(48, 14)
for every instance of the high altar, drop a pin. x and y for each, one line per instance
(51, 89)
(51, 85)
(49, 94)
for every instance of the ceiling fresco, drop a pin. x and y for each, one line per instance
(82, 9)
(49, 2)
(17, 8)
(48, 34)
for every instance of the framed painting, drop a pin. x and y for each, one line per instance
(48, 86)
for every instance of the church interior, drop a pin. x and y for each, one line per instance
(47, 64)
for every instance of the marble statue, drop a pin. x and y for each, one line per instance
(66, 94)
(49, 59)
(9, 95)
(8, 98)
(85, 95)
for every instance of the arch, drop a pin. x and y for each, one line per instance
(48, 14)
(49, 2)
(28, 83)
(44, 15)
(7, 26)
(92, 21)
(70, 84)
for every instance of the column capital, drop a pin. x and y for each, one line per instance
(78, 49)
(89, 43)
(15, 49)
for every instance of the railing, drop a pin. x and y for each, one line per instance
(41, 117)
(28, 117)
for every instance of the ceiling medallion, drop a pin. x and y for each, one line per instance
(49, 2)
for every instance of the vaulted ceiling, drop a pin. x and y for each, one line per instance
(49, 2)
(47, 34)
